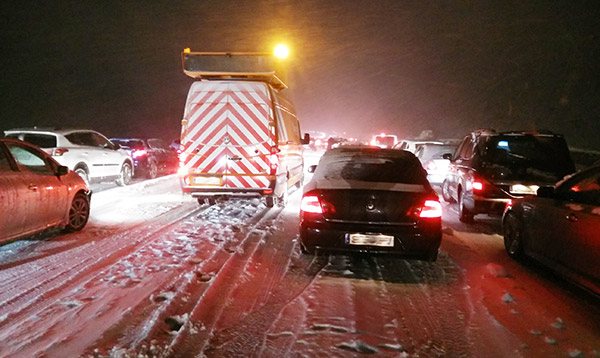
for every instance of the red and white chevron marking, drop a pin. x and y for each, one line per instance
(228, 132)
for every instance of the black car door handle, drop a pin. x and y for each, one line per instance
(572, 217)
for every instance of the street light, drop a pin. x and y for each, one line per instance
(281, 51)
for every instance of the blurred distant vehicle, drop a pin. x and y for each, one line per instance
(37, 193)
(490, 169)
(370, 199)
(560, 228)
(318, 140)
(384, 140)
(84, 151)
(411, 144)
(431, 157)
(334, 142)
(151, 157)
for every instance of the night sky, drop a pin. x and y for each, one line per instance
(359, 67)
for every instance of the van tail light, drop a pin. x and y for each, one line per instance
(274, 160)
(182, 171)
(57, 152)
(431, 209)
(139, 153)
(311, 204)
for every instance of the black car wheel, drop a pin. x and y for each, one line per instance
(79, 213)
(308, 250)
(513, 236)
(282, 200)
(446, 192)
(125, 175)
(464, 214)
(152, 170)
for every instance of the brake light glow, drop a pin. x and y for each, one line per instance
(477, 185)
(182, 171)
(57, 152)
(431, 209)
(139, 153)
(311, 204)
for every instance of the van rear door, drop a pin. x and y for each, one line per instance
(227, 135)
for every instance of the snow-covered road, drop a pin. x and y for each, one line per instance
(156, 275)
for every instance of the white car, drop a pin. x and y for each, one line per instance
(86, 152)
(36, 193)
(431, 157)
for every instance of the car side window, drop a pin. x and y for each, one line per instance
(586, 190)
(4, 162)
(465, 150)
(100, 141)
(30, 159)
(156, 144)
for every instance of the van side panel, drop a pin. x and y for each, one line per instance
(289, 141)
(227, 134)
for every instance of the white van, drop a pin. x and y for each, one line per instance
(240, 135)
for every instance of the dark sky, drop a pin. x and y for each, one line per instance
(357, 66)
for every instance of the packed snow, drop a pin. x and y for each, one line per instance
(154, 274)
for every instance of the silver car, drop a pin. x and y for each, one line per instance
(37, 193)
(86, 152)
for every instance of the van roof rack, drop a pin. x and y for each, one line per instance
(254, 66)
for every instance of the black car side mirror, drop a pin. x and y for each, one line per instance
(306, 139)
(545, 192)
(62, 170)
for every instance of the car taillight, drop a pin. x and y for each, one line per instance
(311, 204)
(57, 152)
(477, 186)
(431, 209)
(139, 153)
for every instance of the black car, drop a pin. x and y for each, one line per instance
(151, 157)
(371, 200)
(489, 169)
(560, 227)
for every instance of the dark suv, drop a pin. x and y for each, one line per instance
(489, 169)
(151, 157)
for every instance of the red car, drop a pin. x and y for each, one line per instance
(37, 193)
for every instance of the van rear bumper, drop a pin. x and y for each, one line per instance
(248, 192)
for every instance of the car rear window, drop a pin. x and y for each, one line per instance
(129, 143)
(530, 157)
(41, 140)
(373, 168)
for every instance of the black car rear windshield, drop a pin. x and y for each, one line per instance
(530, 157)
(373, 168)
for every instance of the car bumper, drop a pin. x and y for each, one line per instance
(410, 241)
(491, 206)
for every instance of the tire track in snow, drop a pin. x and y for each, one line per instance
(55, 278)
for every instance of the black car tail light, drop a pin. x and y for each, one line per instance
(430, 208)
(311, 204)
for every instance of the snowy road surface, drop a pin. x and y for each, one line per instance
(156, 275)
